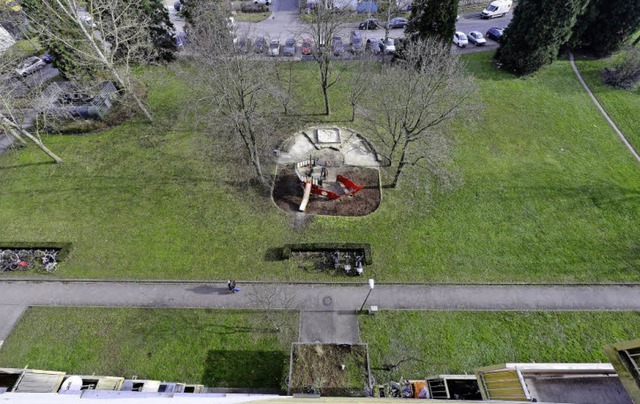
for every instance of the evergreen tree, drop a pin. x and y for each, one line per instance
(536, 32)
(605, 26)
(163, 33)
(433, 18)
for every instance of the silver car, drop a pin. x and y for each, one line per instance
(274, 48)
(30, 65)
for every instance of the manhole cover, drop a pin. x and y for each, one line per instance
(327, 300)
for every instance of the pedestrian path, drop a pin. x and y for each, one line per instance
(328, 311)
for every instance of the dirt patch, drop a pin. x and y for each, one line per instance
(288, 192)
(329, 370)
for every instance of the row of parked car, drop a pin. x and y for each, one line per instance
(290, 46)
(373, 23)
(476, 37)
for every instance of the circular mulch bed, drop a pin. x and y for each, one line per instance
(288, 192)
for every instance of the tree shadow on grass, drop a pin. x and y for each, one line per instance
(263, 369)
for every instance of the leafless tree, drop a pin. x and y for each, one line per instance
(106, 34)
(284, 83)
(358, 84)
(275, 300)
(325, 22)
(232, 94)
(389, 9)
(415, 98)
(13, 102)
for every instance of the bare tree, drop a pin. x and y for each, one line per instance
(231, 93)
(283, 84)
(415, 99)
(14, 96)
(108, 34)
(358, 84)
(275, 300)
(325, 22)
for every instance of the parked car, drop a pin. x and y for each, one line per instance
(306, 47)
(47, 58)
(260, 44)
(243, 45)
(371, 23)
(265, 2)
(337, 46)
(495, 33)
(373, 46)
(398, 22)
(476, 38)
(357, 43)
(30, 65)
(289, 48)
(181, 40)
(460, 39)
(274, 48)
(177, 6)
(388, 46)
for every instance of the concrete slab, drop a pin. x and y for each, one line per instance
(338, 327)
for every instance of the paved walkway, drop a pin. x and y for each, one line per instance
(336, 300)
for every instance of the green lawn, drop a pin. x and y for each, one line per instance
(214, 348)
(459, 342)
(547, 192)
(623, 106)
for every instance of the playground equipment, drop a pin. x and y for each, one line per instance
(320, 178)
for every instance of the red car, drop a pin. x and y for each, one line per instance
(306, 47)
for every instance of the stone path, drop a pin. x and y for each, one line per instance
(323, 305)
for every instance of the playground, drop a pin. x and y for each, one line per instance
(327, 171)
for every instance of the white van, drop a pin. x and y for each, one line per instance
(498, 8)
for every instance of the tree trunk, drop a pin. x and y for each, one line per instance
(325, 94)
(353, 112)
(34, 140)
(401, 164)
(13, 133)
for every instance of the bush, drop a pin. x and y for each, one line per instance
(254, 8)
(626, 72)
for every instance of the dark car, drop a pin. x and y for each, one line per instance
(373, 46)
(178, 6)
(260, 44)
(47, 58)
(289, 48)
(357, 43)
(398, 23)
(337, 46)
(371, 23)
(306, 48)
(243, 45)
(495, 33)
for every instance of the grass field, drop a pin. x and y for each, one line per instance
(459, 342)
(547, 192)
(623, 106)
(214, 348)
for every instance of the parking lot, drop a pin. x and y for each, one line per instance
(284, 23)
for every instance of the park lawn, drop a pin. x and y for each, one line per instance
(546, 193)
(460, 341)
(623, 106)
(210, 347)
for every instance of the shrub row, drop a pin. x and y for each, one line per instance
(330, 247)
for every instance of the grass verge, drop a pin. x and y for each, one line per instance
(438, 342)
(214, 348)
(623, 106)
